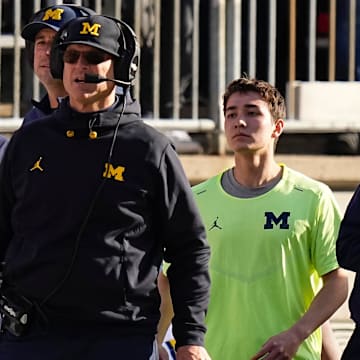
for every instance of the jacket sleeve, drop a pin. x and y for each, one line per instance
(348, 242)
(187, 251)
(6, 202)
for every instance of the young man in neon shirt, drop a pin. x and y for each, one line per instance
(272, 233)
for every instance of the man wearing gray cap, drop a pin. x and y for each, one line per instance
(91, 202)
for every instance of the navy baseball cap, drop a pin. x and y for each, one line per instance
(53, 17)
(98, 31)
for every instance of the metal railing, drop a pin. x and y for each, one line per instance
(192, 48)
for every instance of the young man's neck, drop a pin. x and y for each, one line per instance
(256, 171)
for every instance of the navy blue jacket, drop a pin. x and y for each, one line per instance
(124, 205)
(348, 250)
(40, 109)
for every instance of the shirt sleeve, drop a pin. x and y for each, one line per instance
(326, 228)
(187, 251)
(6, 201)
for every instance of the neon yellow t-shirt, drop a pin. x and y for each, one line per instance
(267, 254)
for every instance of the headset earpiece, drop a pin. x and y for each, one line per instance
(128, 64)
(56, 54)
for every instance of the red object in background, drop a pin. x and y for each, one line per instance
(323, 23)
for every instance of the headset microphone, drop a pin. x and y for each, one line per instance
(95, 79)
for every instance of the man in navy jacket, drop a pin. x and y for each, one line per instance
(91, 202)
(348, 254)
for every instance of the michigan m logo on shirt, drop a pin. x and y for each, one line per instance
(272, 219)
(111, 172)
(90, 29)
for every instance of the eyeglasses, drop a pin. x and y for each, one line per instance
(91, 57)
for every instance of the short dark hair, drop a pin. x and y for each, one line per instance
(268, 92)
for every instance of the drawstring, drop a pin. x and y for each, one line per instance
(92, 133)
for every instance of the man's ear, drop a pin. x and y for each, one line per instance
(278, 128)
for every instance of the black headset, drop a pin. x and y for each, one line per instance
(125, 66)
(37, 18)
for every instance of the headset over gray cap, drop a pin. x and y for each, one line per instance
(104, 33)
(52, 17)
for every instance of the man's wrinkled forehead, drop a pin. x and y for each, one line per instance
(45, 33)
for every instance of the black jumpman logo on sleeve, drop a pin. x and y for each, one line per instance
(215, 224)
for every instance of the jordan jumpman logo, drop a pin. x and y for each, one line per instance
(37, 165)
(215, 224)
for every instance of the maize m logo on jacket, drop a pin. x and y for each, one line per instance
(272, 220)
(112, 172)
(53, 14)
(90, 29)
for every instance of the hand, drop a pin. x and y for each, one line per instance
(192, 352)
(163, 354)
(279, 347)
